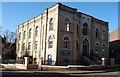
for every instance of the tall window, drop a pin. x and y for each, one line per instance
(85, 29)
(96, 33)
(23, 46)
(85, 47)
(50, 41)
(77, 45)
(36, 45)
(30, 33)
(97, 47)
(19, 47)
(66, 42)
(19, 36)
(36, 31)
(29, 45)
(77, 28)
(67, 24)
(24, 34)
(103, 49)
(51, 24)
(103, 34)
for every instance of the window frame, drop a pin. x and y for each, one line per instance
(30, 33)
(77, 28)
(97, 47)
(18, 47)
(29, 46)
(103, 34)
(36, 31)
(24, 33)
(36, 45)
(85, 29)
(20, 36)
(51, 41)
(66, 42)
(23, 47)
(67, 24)
(51, 24)
(97, 33)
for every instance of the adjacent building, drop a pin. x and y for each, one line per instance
(62, 35)
(114, 35)
(114, 45)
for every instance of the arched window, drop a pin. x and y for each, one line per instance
(36, 31)
(85, 42)
(96, 33)
(85, 48)
(85, 29)
(67, 24)
(35, 60)
(77, 45)
(103, 51)
(23, 47)
(50, 41)
(77, 29)
(103, 47)
(66, 42)
(103, 34)
(97, 47)
(30, 33)
(19, 36)
(19, 47)
(36, 44)
(51, 24)
(24, 34)
(29, 45)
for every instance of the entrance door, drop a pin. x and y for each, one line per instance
(85, 47)
(49, 59)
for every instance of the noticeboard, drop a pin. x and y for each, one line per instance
(65, 52)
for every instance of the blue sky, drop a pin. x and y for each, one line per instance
(15, 13)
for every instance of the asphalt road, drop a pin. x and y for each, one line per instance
(58, 74)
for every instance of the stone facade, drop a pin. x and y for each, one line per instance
(61, 35)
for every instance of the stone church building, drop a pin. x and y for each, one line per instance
(62, 36)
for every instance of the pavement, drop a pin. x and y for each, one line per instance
(60, 74)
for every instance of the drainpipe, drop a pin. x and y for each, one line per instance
(46, 34)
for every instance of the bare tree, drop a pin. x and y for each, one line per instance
(8, 43)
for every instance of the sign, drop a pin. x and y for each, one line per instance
(65, 52)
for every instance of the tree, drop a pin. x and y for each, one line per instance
(8, 44)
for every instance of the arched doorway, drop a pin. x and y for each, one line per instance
(85, 47)
(49, 59)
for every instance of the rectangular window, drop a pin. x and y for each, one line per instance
(24, 34)
(29, 46)
(66, 45)
(50, 44)
(77, 29)
(68, 27)
(19, 36)
(23, 47)
(19, 47)
(35, 45)
(103, 35)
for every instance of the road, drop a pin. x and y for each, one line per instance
(58, 74)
